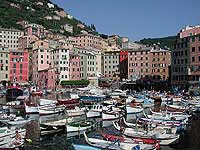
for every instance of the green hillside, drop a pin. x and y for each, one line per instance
(163, 42)
(29, 10)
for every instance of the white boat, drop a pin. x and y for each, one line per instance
(76, 112)
(151, 126)
(78, 128)
(50, 129)
(129, 99)
(178, 107)
(133, 109)
(7, 138)
(118, 93)
(170, 113)
(18, 121)
(95, 111)
(112, 113)
(5, 117)
(164, 137)
(116, 145)
(167, 117)
(47, 102)
(31, 108)
(51, 109)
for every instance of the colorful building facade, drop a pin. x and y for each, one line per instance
(19, 66)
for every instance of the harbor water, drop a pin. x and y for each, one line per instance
(189, 139)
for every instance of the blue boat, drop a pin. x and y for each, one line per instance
(96, 98)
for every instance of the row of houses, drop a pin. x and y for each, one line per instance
(47, 59)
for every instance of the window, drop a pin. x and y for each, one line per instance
(41, 61)
(193, 39)
(193, 59)
(14, 65)
(199, 58)
(193, 49)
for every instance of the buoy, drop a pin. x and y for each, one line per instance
(29, 141)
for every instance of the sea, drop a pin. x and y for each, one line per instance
(189, 139)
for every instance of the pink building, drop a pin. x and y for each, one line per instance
(19, 66)
(25, 41)
(189, 31)
(51, 82)
(160, 61)
(40, 62)
(35, 29)
(138, 63)
(145, 63)
(74, 65)
(90, 40)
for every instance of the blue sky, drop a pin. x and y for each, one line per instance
(136, 19)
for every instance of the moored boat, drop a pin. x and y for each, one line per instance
(51, 109)
(164, 137)
(116, 145)
(79, 127)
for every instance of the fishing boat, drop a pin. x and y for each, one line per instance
(116, 145)
(112, 113)
(7, 138)
(51, 109)
(31, 108)
(92, 98)
(124, 139)
(163, 136)
(133, 108)
(95, 111)
(6, 117)
(150, 126)
(171, 113)
(118, 93)
(69, 103)
(77, 111)
(78, 128)
(177, 108)
(47, 102)
(50, 129)
(18, 121)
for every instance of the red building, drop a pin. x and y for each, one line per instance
(123, 64)
(19, 66)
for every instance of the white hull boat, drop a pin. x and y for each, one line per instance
(76, 112)
(163, 137)
(78, 128)
(112, 114)
(31, 109)
(18, 121)
(51, 109)
(133, 109)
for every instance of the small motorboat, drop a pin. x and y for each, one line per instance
(78, 128)
(18, 121)
(116, 145)
(51, 109)
(50, 129)
(163, 136)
